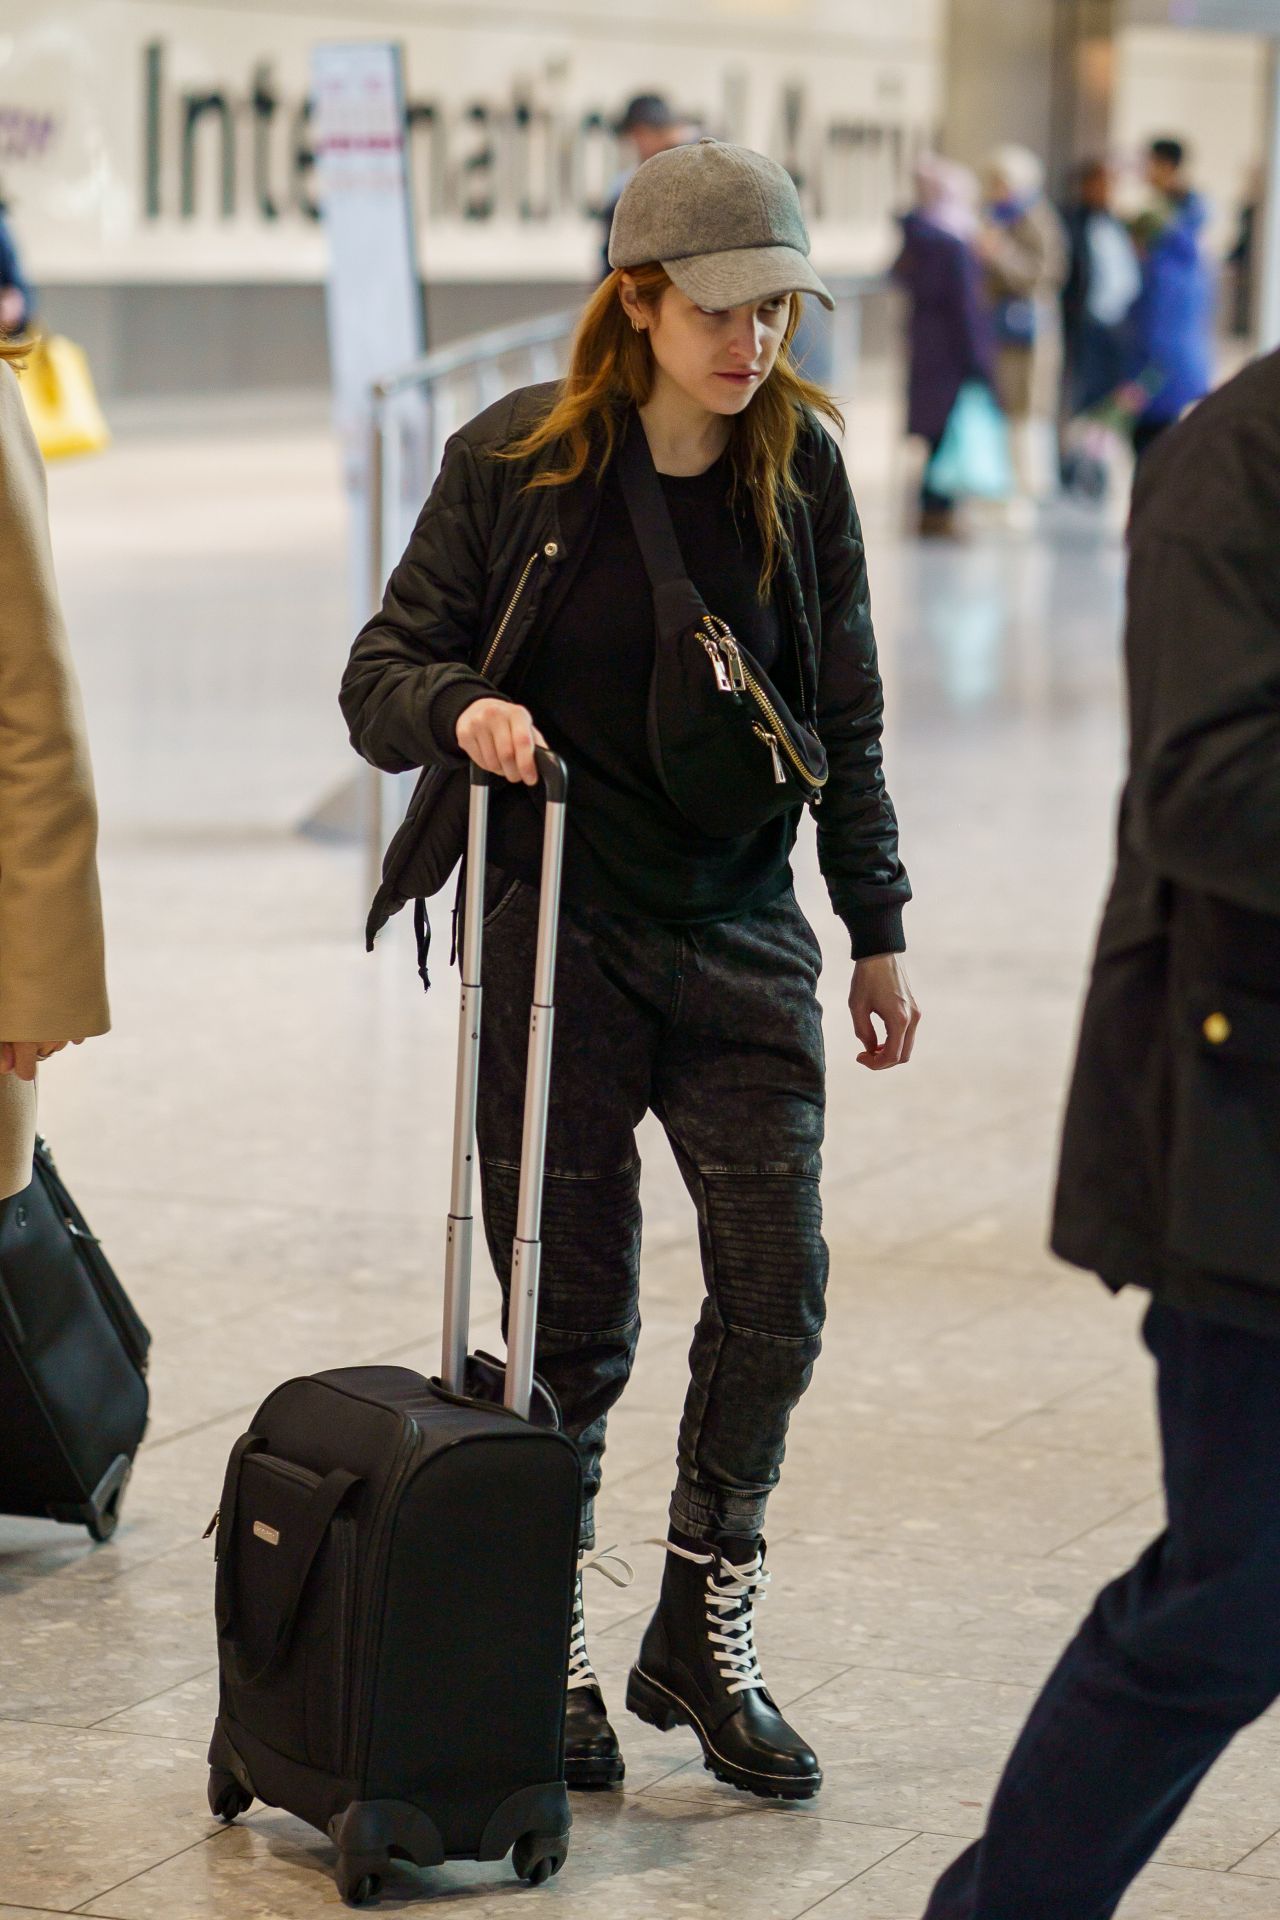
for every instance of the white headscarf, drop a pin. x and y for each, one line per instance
(1021, 170)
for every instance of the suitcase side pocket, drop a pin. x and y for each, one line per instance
(286, 1580)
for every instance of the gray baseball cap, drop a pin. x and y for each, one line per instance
(724, 222)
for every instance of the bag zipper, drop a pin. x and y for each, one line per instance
(733, 675)
(771, 741)
(550, 550)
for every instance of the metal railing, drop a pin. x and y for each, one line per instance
(412, 412)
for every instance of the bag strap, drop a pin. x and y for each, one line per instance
(647, 506)
(324, 1503)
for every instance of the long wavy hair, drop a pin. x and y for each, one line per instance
(611, 368)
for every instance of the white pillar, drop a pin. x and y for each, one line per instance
(1268, 238)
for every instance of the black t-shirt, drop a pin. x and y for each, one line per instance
(627, 848)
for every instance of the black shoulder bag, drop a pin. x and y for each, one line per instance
(729, 752)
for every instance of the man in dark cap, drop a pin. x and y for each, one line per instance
(649, 126)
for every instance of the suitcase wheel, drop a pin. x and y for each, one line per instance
(536, 1856)
(227, 1798)
(358, 1883)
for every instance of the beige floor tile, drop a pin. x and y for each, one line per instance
(71, 1654)
(917, 1610)
(990, 1495)
(184, 1712)
(84, 1810)
(1264, 1862)
(897, 1887)
(1114, 1414)
(1115, 1544)
(1165, 1893)
(1033, 1348)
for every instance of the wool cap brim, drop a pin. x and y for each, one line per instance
(745, 274)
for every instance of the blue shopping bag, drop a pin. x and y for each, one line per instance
(973, 454)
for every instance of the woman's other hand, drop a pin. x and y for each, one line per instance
(500, 737)
(23, 1056)
(881, 989)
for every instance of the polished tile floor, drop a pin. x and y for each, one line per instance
(261, 1142)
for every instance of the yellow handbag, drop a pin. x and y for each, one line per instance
(60, 398)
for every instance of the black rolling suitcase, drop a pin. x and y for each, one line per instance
(73, 1356)
(396, 1555)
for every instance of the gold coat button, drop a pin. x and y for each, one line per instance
(1217, 1028)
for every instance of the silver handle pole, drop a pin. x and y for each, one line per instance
(526, 1259)
(457, 1264)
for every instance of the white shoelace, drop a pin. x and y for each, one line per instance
(731, 1625)
(609, 1562)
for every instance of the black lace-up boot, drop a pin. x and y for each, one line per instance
(592, 1757)
(698, 1668)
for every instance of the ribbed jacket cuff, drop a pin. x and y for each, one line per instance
(874, 930)
(449, 706)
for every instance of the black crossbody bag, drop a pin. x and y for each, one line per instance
(727, 748)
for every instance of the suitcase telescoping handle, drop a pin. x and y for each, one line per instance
(527, 1252)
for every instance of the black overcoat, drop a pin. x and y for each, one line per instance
(1170, 1169)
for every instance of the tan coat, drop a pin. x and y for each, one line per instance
(1030, 263)
(52, 985)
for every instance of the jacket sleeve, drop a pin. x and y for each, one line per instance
(52, 984)
(1204, 808)
(857, 826)
(417, 650)
(1030, 257)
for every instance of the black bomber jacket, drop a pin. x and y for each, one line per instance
(489, 558)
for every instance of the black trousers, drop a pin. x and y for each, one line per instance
(1176, 1657)
(717, 1030)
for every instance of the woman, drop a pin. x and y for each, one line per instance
(950, 334)
(1024, 249)
(52, 990)
(687, 972)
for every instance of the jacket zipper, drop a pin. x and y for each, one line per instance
(550, 550)
(736, 676)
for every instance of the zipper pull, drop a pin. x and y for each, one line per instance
(771, 741)
(728, 646)
(723, 681)
(213, 1525)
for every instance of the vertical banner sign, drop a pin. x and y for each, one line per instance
(373, 295)
(374, 302)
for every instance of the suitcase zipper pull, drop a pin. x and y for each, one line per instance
(213, 1528)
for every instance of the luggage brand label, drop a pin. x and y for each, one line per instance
(263, 1532)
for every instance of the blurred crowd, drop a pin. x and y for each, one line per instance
(1043, 339)
(1070, 330)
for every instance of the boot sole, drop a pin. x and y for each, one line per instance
(594, 1776)
(653, 1703)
